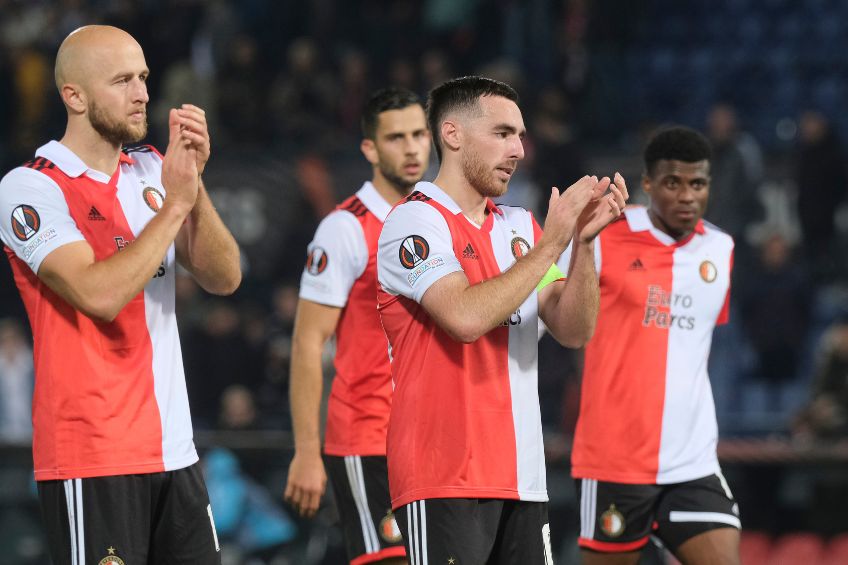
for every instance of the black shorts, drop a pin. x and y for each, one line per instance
(617, 517)
(471, 530)
(361, 487)
(148, 518)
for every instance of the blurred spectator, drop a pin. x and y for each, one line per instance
(822, 181)
(304, 98)
(238, 409)
(16, 383)
(354, 74)
(251, 526)
(736, 171)
(242, 85)
(774, 302)
(826, 414)
(557, 156)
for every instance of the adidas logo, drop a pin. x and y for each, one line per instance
(94, 215)
(636, 265)
(469, 253)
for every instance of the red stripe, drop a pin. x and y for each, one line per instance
(611, 547)
(394, 551)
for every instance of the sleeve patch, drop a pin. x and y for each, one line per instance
(413, 251)
(25, 222)
(317, 261)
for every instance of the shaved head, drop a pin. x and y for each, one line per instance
(89, 50)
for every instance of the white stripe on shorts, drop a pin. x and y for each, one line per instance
(76, 522)
(588, 507)
(353, 466)
(416, 532)
(719, 517)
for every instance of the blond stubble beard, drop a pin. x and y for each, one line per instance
(114, 132)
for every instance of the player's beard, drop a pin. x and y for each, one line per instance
(400, 183)
(481, 177)
(113, 131)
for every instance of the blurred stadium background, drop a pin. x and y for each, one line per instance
(283, 83)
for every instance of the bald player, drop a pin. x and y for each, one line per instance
(94, 231)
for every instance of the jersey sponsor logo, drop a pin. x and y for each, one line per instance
(25, 222)
(389, 530)
(513, 320)
(519, 247)
(94, 215)
(636, 265)
(111, 558)
(413, 251)
(708, 271)
(423, 268)
(658, 307)
(612, 522)
(469, 253)
(153, 198)
(316, 261)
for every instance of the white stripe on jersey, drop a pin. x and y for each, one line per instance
(719, 517)
(353, 465)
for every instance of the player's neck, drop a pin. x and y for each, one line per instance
(390, 193)
(661, 225)
(91, 148)
(469, 200)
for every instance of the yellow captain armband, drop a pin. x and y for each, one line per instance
(553, 275)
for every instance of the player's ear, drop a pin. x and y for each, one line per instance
(451, 133)
(369, 149)
(646, 184)
(73, 97)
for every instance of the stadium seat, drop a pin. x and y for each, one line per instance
(754, 548)
(796, 549)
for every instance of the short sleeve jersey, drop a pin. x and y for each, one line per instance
(341, 271)
(646, 412)
(110, 397)
(465, 419)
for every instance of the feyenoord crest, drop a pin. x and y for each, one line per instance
(111, 559)
(519, 247)
(413, 250)
(612, 522)
(153, 198)
(708, 271)
(25, 222)
(389, 530)
(317, 261)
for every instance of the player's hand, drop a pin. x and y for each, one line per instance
(194, 129)
(306, 483)
(179, 167)
(602, 209)
(565, 209)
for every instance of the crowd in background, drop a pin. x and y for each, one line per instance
(284, 81)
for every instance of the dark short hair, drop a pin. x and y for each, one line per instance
(383, 100)
(460, 94)
(676, 143)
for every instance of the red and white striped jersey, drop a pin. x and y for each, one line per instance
(341, 271)
(110, 398)
(465, 419)
(646, 412)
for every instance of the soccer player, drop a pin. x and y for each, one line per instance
(94, 234)
(645, 444)
(338, 295)
(462, 284)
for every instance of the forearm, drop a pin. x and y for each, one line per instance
(305, 389)
(210, 252)
(474, 310)
(101, 289)
(571, 317)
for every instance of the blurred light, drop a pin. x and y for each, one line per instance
(786, 129)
